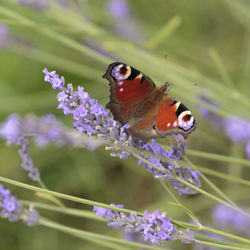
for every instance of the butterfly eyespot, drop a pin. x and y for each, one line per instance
(121, 72)
(186, 120)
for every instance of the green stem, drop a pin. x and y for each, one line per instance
(164, 32)
(219, 245)
(69, 211)
(218, 232)
(194, 187)
(211, 196)
(227, 235)
(88, 235)
(221, 67)
(199, 236)
(65, 196)
(216, 157)
(217, 190)
(223, 175)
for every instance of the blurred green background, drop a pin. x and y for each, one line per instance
(207, 42)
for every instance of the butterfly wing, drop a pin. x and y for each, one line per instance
(128, 88)
(174, 118)
(167, 117)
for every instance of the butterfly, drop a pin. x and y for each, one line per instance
(134, 98)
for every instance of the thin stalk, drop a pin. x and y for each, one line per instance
(65, 196)
(69, 211)
(227, 235)
(221, 233)
(219, 245)
(87, 235)
(82, 235)
(223, 175)
(215, 188)
(220, 67)
(194, 187)
(164, 32)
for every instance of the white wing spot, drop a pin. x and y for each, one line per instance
(121, 89)
(120, 83)
(168, 125)
(175, 124)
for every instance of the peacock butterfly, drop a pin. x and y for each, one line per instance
(134, 97)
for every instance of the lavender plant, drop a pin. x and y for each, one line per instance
(81, 39)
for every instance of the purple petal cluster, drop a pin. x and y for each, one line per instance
(155, 227)
(227, 217)
(93, 119)
(12, 209)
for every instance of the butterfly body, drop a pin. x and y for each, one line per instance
(135, 98)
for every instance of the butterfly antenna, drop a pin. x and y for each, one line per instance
(166, 57)
(167, 84)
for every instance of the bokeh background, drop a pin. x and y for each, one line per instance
(208, 49)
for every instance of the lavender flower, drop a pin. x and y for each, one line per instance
(27, 162)
(4, 35)
(237, 129)
(93, 119)
(16, 130)
(155, 227)
(123, 20)
(225, 216)
(215, 119)
(44, 130)
(11, 208)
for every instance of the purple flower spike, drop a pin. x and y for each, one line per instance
(155, 227)
(4, 35)
(124, 24)
(16, 130)
(237, 129)
(93, 119)
(53, 79)
(227, 217)
(12, 209)
(27, 162)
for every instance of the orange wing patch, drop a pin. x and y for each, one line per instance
(166, 118)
